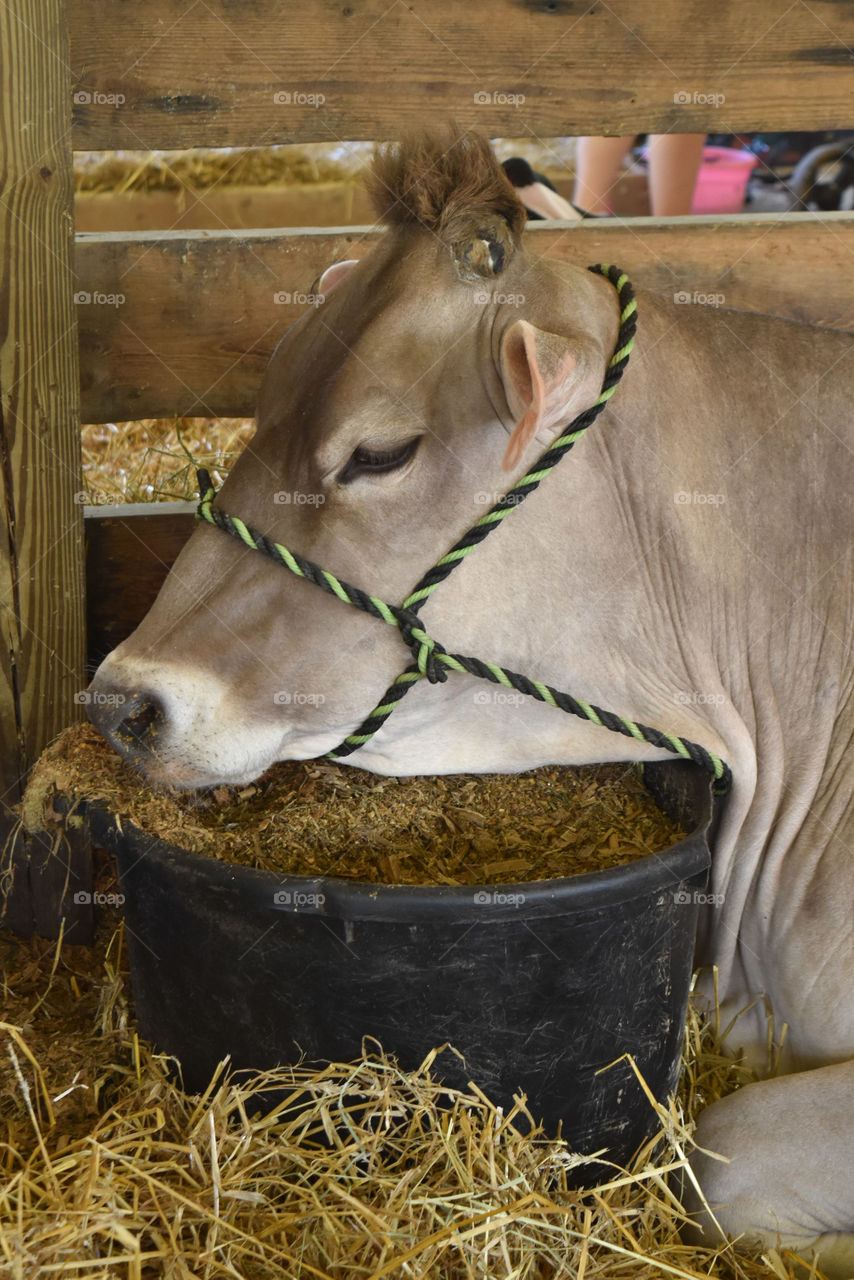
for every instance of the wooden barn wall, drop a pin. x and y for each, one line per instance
(255, 72)
(187, 321)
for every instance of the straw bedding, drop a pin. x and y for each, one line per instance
(363, 1170)
(109, 1170)
(154, 459)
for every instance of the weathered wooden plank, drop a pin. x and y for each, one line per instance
(185, 322)
(229, 72)
(315, 204)
(129, 551)
(41, 529)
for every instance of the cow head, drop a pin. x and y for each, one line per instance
(391, 415)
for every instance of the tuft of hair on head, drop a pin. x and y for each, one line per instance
(450, 183)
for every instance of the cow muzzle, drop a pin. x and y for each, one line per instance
(180, 727)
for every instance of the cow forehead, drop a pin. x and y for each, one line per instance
(366, 366)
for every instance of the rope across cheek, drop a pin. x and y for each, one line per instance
(430, 660)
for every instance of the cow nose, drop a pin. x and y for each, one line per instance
(131, 723)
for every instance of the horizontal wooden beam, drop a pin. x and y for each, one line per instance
(185, 322)
(221, 73)
(308, 204)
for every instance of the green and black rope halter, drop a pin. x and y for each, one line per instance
(430, 659)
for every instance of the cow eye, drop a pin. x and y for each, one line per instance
(375, 462)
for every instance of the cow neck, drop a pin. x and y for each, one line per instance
(430, 659)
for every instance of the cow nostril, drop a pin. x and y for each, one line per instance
(139, 727)
(131, 722)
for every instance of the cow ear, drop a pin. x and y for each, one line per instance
(548, 380)
(333, 275)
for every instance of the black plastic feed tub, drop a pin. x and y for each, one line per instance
(538, 985)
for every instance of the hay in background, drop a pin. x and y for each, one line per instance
(363, 1170)
(154, 459)
(200, 169)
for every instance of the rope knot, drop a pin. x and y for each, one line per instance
(424, 649)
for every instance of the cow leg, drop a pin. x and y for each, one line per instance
(790, 1143)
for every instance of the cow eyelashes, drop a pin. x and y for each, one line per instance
(374, 462)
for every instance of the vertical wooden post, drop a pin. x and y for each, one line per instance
(41, 523)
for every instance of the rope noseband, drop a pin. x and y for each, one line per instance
(430, 659)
